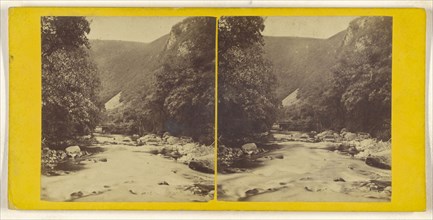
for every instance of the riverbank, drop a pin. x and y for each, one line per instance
(298, 171)
(119, 171)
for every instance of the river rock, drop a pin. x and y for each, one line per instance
(323, 134)
(339, 180)
(165, 136)
(135, 137)
(173, 140)
(363, 135)
(76, 195)
(186, 140)
(72, 151)
(249, 148)
(349, 136)
(203, 166)
(253, 192)
(378, 162)
(348, 148)
(163, 183)
(279, 156)
(150, 139)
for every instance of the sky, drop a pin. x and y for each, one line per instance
(148, 29)
(139, 29)
(314, 27)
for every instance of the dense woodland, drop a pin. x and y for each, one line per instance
(247, 103)
(177, 96)
(168, 85)
(70, 82)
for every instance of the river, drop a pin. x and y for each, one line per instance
(300, 171)
(125, 173)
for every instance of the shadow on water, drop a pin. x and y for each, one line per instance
(248, 162)
(70, 165)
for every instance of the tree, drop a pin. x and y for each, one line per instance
(246, 97)
(362, 77)
(63, 33)
(185, 83)
(70, 83)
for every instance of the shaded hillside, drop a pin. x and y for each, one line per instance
(298, 63)
(126, 67)
(303, 63)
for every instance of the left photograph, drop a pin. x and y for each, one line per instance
(128, 109)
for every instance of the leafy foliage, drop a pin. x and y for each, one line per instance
(358, 95)
(180, 98)
(247, 103)
(63, 33)
(70, 83)
(185, 84)
(363, 76)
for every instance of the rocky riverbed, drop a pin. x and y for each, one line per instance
(118, 170)
(300, 170)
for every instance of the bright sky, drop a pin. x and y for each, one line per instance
(315, 27)
(148, 29)
(139, 29)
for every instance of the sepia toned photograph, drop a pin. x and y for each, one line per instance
(304, 109)
(128, 109)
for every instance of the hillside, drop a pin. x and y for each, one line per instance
(129, 67)
(303, 63)
(126, 67)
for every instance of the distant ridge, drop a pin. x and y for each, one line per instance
(299, 63)
(302, 62)
(125, 66)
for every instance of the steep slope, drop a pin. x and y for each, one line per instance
(302, 63)
(126, 67)
(291, 99)
(129, 67)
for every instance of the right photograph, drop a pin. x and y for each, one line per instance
(304, 109)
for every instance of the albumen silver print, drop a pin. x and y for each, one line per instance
(304, 109)
(128, 109)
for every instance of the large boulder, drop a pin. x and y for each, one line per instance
(204, 166)
(249, 148)
(380, 160)
(72, 151)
